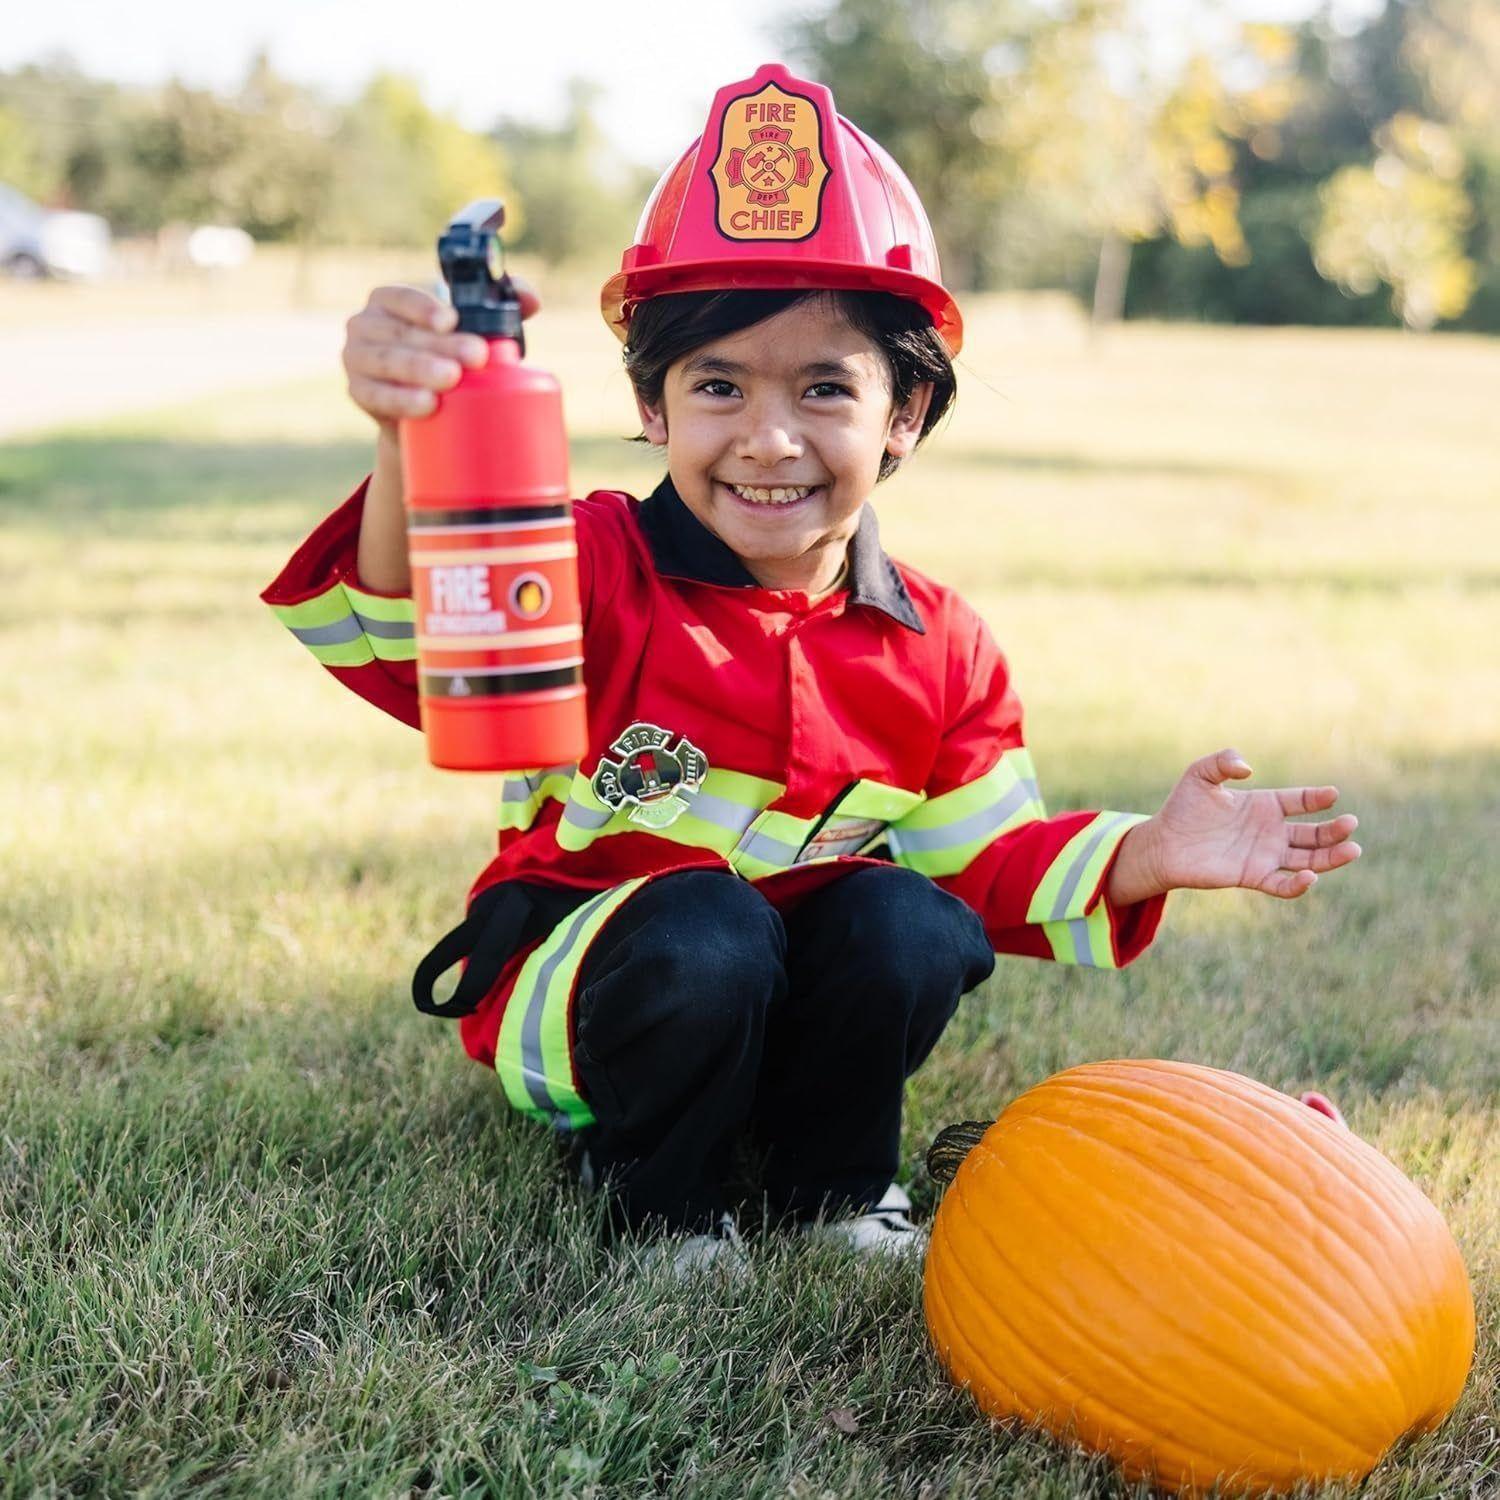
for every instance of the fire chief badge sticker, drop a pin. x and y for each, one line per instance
(648, 776)
(769, 174)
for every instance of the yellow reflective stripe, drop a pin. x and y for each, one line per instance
(323, 609)
(532, 1053)
(523, 792)
(772, 842)
(739, 786)
(1064, 891)
(1014, 767)
(874, 799)
(399, 610)
(718, 813)
(1083, 940)
(346, 627)
(947, 833)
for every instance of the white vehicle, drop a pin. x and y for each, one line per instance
(34, 242)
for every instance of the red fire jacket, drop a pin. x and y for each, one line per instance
(737, 726)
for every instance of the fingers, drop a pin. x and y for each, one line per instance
(1322, 860)
(386, 402)
(1321, 835)
(401, 364)
(1220, 767)
(1289, 884)
(397, 359)
(1306, 799)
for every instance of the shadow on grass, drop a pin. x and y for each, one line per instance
(122, 486)
(1275, 482)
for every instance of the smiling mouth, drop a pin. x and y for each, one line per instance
(774, 496)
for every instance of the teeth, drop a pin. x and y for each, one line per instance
(779, 496)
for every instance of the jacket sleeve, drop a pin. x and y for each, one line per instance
(983, 834)
(364, 637)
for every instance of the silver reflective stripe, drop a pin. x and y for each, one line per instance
(532, 1069)
(336, 634)
(390, 630)
(773, 851)
(719, 810)
(585, 817)
(1082, 947)
(1033, 790)
(976, 825)
(1075, 870)
(519, 787)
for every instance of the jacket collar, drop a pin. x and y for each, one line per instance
(683, 547)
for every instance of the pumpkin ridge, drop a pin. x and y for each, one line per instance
(1030, 1417)
(1206, 1414)
(1359, 1165)
(954, 1331)
(1391, 1270)
(1336, 1148)
(1291, 1326)
(1292, 1272)
(984, 1310)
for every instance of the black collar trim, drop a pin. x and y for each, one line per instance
(683, 547)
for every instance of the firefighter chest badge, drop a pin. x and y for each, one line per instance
(770, 172)
(649, 775)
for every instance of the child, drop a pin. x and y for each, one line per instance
(807, 820)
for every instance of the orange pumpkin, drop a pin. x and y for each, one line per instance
(1199, 1276)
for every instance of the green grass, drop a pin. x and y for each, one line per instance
(266, 1231)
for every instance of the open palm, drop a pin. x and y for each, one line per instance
(1210, 836)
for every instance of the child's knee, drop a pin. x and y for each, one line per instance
(912, 936)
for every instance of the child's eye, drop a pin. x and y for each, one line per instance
(829, 385)
(727, 391)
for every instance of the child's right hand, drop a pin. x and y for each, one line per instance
(400, 351)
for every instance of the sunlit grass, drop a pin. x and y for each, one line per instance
(267, 1231)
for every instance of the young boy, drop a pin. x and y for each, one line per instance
(807, 820)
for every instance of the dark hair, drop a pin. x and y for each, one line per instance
(663, 329)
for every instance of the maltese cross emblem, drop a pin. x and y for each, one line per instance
(649, 775)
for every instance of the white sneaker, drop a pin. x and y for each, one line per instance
(882, 1230)
(721, 1252)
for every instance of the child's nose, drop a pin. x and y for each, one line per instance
(767, 439)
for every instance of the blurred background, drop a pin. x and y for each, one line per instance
(1224, 469)
(1237, 161)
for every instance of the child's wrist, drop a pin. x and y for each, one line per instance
(1135, 873)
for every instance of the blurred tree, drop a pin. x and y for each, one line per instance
(403, 169)
(1401, 222)
(284, 174)
(936, 82)
(1138, 151)
(1350, 84)
(1453, 48)
(1013, 114)
(71, 121)
(580, 196)
(21, 157)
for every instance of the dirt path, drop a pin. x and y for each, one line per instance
(59, 376)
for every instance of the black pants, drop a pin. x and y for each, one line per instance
(701, 1015)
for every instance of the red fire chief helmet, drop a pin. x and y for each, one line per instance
(781, 191)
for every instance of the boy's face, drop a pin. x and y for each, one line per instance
(798, 401)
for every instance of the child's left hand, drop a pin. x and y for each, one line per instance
(1208, 837)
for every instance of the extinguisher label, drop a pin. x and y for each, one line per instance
(459, 602)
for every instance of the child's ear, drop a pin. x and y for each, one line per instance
(653, 420)
(907, 419)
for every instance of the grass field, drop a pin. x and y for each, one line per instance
(265, 1230)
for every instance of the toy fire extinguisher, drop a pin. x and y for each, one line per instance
(493, 551)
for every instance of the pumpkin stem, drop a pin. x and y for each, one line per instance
(946, 1154)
